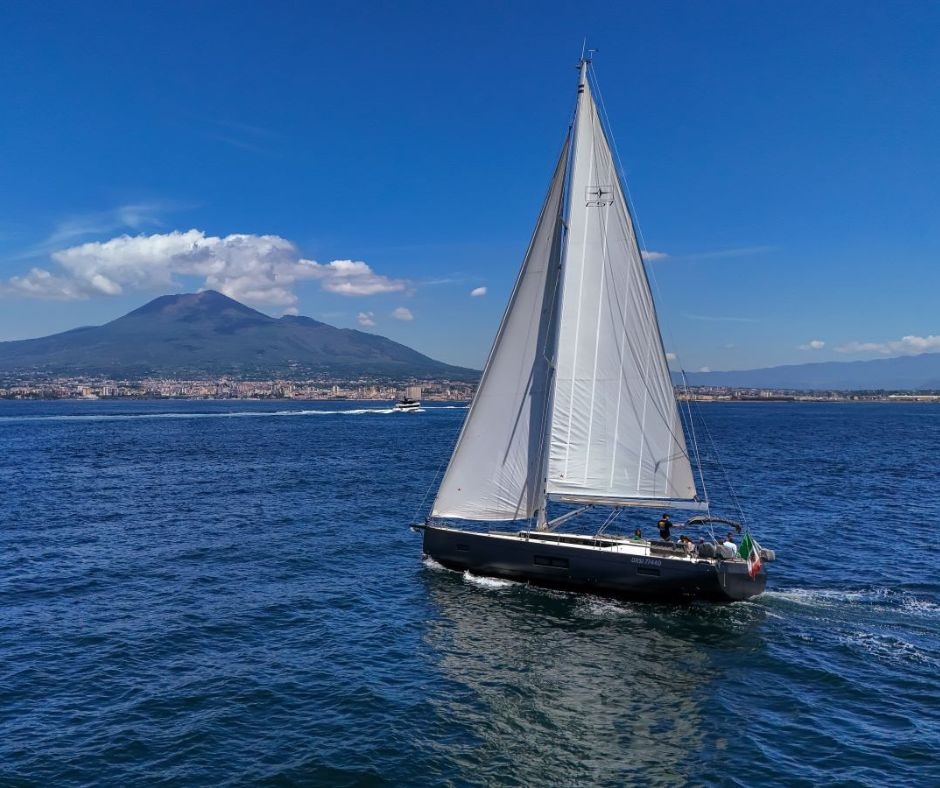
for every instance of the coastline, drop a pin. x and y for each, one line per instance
(846, 398)
(367, 389)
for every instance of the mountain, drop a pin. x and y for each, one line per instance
(208, 333)
(916, 373)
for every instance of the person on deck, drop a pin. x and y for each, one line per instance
(688, 544)
(664, 525)
(727, 548)
(637, 535)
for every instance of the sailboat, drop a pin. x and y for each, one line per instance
(576, 406)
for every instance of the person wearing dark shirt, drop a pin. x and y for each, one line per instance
(664, 525)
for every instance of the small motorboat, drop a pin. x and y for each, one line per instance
(405, 404)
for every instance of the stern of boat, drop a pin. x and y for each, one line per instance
(737, 584)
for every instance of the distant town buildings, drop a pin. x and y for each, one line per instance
(372, 389)
(226, 388)
(726, 394)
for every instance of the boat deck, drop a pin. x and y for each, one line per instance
(625, 545)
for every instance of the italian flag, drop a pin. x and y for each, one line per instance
(750, 552)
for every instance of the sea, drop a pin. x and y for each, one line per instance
(228, 593)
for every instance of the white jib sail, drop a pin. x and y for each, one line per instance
(496, 469)
(616, 435)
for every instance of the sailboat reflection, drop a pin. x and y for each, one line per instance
(553, 684)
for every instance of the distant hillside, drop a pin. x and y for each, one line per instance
(917, 373)
(211, 334)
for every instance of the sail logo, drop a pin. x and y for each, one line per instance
(598, 196)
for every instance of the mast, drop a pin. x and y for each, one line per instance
(542, 514)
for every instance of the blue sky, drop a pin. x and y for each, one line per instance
(783, 157)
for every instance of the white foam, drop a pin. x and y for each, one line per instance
(920, 607)
(813, 596)
(605, 608)
(430, 563)
(829, 597)
(487, 582)
(887, 647)
(226, 415)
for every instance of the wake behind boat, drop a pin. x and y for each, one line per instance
(576, 406)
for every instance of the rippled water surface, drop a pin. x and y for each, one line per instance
(216, 593)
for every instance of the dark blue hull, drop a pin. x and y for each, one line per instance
(598, 566)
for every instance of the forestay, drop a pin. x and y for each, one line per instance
(616, 435)
(497, 469)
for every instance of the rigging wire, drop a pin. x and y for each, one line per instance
(698, 456)
(651, 275)
(727, 477)
(609, 521)
(437, 473)
(629, 222)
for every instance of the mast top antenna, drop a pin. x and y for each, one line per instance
(586, 54)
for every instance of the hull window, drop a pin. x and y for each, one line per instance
(545, 560)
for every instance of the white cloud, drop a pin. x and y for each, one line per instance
(909, 345)
(354, 278)
(135, 216)
(258, 269)
(670, 357)
(70, 229)
(813, 344)
(39, 283)
(650, 256)
(705, 369)
(478, 291)
(366, 319)
(403, 313)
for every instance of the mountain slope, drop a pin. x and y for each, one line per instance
(920, 372)
(208, 333)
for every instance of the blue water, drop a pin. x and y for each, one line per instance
(216, 593)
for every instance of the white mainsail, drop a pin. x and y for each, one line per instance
(616, 436)
(497, 469)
